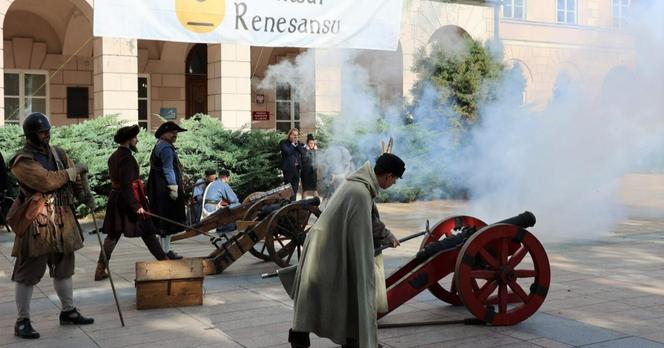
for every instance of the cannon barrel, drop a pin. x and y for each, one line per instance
(270, 208)
(523, 220)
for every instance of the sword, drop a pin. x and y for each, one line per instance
(178, 224)
(86, 187)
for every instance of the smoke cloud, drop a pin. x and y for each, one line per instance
(563, 162)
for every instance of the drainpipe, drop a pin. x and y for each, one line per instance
(496, 19)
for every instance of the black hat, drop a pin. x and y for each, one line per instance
(126, 133)
(167, 127)
(209, 172)
(36, 122)
(224, 172)
(390, 163)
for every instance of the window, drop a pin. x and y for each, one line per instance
(566, 11)
(514, 9)
(288, 110)
(620, 12)
(25, 92)
(144, 101)
(77, 102)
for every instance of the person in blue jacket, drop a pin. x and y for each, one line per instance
(219, 194)
(165, 185)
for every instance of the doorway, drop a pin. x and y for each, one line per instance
(196, 81)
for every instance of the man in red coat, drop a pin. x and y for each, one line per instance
(125, 213)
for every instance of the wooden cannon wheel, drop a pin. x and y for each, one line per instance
(253, 213)
(287, 230)
(502, 266)
(443, 229)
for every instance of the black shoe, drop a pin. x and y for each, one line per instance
(298, 339)
(73, 317)
(23, 329)
(173, 256)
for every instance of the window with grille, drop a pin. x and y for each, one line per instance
(514, 9)
(25, 92)
(566, 11)
(620, 12)
(288, 109)
(144, 101)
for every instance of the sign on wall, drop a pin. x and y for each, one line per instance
(260, 115)
(368, 24)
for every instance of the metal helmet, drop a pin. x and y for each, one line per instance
(35, 122)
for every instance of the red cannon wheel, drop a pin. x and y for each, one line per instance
(442, 229)
(505, 266)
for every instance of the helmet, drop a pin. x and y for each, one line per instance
(35, 122)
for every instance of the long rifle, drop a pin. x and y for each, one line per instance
(189, 228)
(86, 187)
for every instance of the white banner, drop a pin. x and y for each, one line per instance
(369, 24)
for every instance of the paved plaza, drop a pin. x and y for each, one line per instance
(605, 293)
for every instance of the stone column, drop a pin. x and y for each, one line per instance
(115, 78)
(328, 82)
(229, 84)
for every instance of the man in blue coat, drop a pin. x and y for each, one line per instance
(165, 187)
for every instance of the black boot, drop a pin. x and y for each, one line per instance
(173, 256)
(298, 339)
(23, 329)
(73, 317)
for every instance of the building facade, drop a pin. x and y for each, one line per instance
(52, 63)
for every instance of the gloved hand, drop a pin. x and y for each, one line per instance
(76, 170)
(173, 191)
(90, 202)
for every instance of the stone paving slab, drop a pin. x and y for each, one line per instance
(606, 293)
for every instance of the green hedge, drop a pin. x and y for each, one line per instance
(252, 157)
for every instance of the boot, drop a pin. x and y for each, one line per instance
(73, 317)
(298, 339)
(23, 329)
(100, 273)
(172, 255)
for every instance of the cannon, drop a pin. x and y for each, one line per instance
(269, 226)
(500, 272)
(277, 232)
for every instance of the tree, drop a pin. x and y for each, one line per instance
(453, 83)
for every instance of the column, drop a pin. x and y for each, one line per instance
(328, 82)
(115, 78)
(229, 84)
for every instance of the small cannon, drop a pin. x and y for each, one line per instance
(269, 226)
(500, 272)
(278, 232)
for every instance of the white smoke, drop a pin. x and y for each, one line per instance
(563, 163)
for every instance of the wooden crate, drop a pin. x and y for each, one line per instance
(170, 283)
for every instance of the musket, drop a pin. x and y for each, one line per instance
(178, 224)
(86, 187)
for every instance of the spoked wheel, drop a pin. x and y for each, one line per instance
(503, 274)
(443, 229)
(287, 229)
(253, 214)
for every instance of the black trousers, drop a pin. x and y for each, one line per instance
(292, 178)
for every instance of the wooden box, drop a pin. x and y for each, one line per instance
(170, 283)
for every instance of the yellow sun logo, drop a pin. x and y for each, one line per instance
(200, 16)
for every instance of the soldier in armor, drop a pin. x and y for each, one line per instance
(47, 232)
(127, 203)
(165, 188)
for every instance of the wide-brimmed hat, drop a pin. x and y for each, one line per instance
(126, 133)
(167, 127)
(390, 163)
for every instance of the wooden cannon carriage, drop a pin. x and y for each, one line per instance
(500, 272)
(269, 226)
